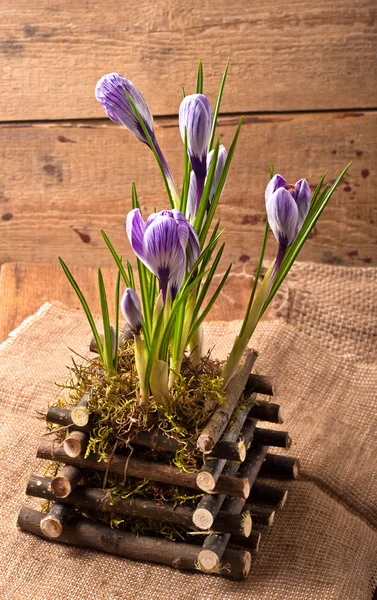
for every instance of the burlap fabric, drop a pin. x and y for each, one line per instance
(323, 545)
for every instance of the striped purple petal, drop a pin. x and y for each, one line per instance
(191, 208)
(162, 247)
(283, 217)
(276, 182)
(135, 228)
(111, 92)
(303, 199)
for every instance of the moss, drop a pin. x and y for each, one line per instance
(118, 416)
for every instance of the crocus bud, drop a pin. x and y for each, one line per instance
(131, 310)
(287, 206)
(111, 92)
(196, 116)
(221, 160)
(160, 243)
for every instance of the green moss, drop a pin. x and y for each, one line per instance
(118, 415)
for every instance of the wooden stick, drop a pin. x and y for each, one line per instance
(269, 494)
(212, 469)
(52, 524)
(80, 413)
(142, 469)
(251, 542)
(214, 545)
(220, 418)
(66, 481)
(154, 438)
(280, 466)
(267, 411)
(270, 437)
(87, 534)
(261, 514)
(261, 384)
(84, 497)
(75, 443)
(209, 506)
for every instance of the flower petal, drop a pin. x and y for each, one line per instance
(283, 217)
(131, 309)
(193, 248)
(303, 199)
(176, 281)
(111, 92)
(195, 114)
(162, 247)
(276, 182)
(135, 228)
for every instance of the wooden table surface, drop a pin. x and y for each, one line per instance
(24, 287)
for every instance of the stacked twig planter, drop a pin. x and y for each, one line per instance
(236, 453)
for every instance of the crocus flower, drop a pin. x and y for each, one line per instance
(287, 206)
(161, 243)
(131, 310)
(112, 92)
(195, 116)
(221, 160)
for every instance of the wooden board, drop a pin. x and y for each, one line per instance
(24, 287)
(64, 182)
(296, 55)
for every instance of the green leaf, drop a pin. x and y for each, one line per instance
(135, 201)
(85, 306)
(255, 284)
(117, 259)
(207, 283)
(107, 346)
(210, 303)
(217, 106)
(117, 294)
(152, 147)
(145, 298)
(183, 92)
(131, 277)
(154, 347)
(199, 79)
(216, 198)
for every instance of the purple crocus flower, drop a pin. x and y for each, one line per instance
(111, 92)
(196, 116)
(287, 206)
(161, 244)
(221, 160)
(131, 310)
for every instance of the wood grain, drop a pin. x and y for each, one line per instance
(63, 183)
(296, 55)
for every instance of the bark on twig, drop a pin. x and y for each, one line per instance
(87, 534)
(142, 469)
(220, 418)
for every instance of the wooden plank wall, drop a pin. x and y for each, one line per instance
(304, 75)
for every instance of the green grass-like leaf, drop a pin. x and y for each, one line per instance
(117, 259)
(117, 294)
(107, 346)
(199, 79)
(204, 201)
(216, 198)
(210, 303)
(217, 106)
(85, 306)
